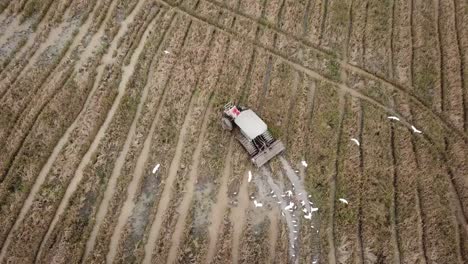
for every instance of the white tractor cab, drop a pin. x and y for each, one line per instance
(254, 135)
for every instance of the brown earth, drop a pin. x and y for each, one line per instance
(94, 94)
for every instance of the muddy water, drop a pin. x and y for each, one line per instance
(287, 215)
(302, 197)
(273, 232)
(277, 201)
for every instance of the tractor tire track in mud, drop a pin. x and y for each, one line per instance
(127, 73)
(109, 193)
(113, 153)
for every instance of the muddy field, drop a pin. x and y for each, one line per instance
(111, 149)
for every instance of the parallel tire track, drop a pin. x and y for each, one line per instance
(129, 204)
(393, 206)
(345, 66)
(29, 52)
(109, 192)
(127, 73)
(26, 125)
(190, 186)
(220, 206)
(167, 195)
(332, 197)
(57, 149)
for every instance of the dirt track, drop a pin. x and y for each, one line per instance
(372, 95)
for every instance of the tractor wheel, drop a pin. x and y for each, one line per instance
(226, 123)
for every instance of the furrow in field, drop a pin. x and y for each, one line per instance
(324, 124)
(348, 179)
(362, 72)
(127, 72)
(21, 121)
(189, 188)
(53, 36)
(440, 231)
(409, 227)
(166, 194)
(219, 208)
(70, 97)
(119, 207)
(420, 228)
(110, 189)
(195, 214)
(461, 18)
(333, 182)
(238, 218)
(294, 93)
(237, 64)
(319, 76)
(350, 27)
(377, 186)
(67, 241)
(393, 205)
(158, 235)
(196, 236)
(439, 96)
(295, 14)
(59, 146)
(273, 234)
(133, 186)
(311, 101)
(27, 50)
(28, 118)
(336, 26)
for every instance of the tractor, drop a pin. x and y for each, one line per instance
(250, 130)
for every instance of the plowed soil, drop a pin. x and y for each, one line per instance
(112, 151)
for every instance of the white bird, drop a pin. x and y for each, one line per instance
(166, 51)
(304, 210)
(394, 118)
(415, 130)
(290, 206)
(308, 216)
(343, 200)
(314, 209)
(304, 163)
(257, 204)
(295, 231)
(289, 193)
(355, 141)
(250, 176)
(156, 168)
